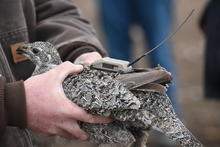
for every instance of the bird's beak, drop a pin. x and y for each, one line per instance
(22, 50)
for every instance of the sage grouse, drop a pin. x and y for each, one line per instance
(134, 108)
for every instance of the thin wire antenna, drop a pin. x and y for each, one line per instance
(163, 41)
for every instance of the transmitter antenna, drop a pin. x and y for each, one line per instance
(163, 41)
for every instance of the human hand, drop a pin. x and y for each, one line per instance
(49, 112)
(88, 58)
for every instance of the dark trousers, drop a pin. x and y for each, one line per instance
(154, 16)
(211, 26)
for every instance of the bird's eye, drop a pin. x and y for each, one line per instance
(35, 51)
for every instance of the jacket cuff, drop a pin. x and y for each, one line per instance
(15, 102)
(2, 105)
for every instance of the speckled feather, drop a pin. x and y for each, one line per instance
(99, 93)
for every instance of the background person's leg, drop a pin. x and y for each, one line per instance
(212, 50)
(155, 16)
(116, 18)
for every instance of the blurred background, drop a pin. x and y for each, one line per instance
(199, 114)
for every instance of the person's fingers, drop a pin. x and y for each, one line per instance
(88, 58)
(97, 119)
(80, 114)
(66, 69)
(73, 130)
(63, 133)
(66, 135)
(60, 131)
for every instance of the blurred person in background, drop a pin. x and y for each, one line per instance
(155, 17)
(210, 24)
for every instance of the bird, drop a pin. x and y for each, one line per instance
(134, 109)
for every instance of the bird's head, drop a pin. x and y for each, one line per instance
(40, 53)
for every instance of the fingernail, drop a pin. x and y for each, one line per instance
(83, 137)
(79, 66)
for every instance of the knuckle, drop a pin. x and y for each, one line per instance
(76, 133)
(74, 130)
(67, 63)
(79, 134)
(88, 62)
(52, 131)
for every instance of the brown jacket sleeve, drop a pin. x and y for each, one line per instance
(12, 104)
(59, 22)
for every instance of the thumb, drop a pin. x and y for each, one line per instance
(65, 69)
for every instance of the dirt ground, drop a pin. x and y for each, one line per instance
(202, 116)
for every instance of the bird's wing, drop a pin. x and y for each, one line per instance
(97, 92)
(140, 78)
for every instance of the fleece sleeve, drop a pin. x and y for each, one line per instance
(12, 104)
